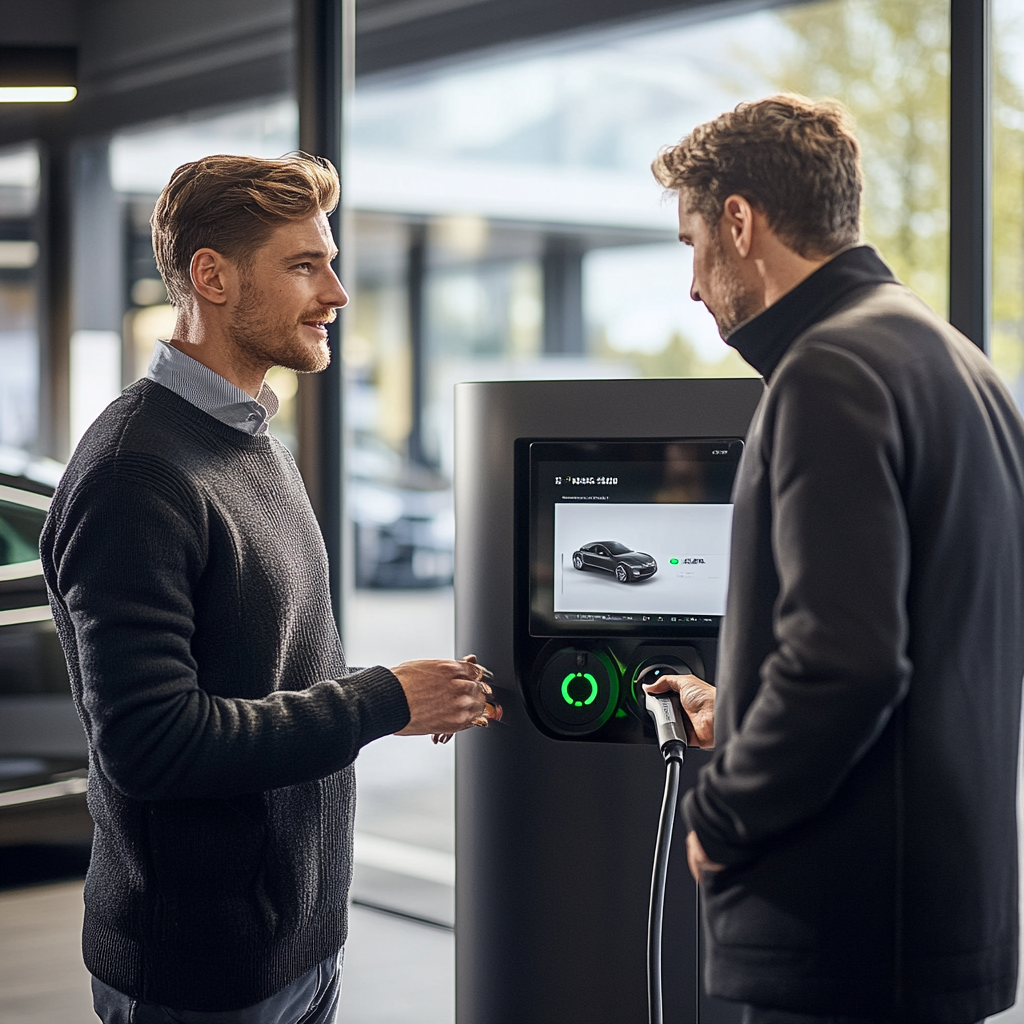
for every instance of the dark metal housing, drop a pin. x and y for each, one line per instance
(554, 836)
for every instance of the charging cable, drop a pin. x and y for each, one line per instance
(664, 708)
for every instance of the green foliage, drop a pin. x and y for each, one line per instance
(889, 64)
(1007, 209)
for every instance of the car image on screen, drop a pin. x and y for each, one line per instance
(625, 564)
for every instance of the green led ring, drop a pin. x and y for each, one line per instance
(579, 675)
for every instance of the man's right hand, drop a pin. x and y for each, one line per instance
(443, 696)
(697, 699)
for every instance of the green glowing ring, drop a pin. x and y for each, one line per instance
(579, 675)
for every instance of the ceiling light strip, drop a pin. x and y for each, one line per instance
(37, 93)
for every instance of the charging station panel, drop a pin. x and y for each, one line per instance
(592, 538)
(625, 541)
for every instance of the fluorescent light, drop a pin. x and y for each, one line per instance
(37, 93)
(18, 255)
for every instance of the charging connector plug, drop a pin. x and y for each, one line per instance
(664, 708)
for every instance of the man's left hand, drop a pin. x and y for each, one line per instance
(700, 864)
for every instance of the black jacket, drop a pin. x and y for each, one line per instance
(863, 790)
(188, 581)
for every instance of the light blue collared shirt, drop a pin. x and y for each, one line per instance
(209, 391)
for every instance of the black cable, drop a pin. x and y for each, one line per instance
(673, 753)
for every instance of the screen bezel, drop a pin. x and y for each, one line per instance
(540, 603)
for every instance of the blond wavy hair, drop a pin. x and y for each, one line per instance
(795, 159)
(232, 204)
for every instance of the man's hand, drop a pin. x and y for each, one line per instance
(444, 696)
(697, 699)
(698, 860)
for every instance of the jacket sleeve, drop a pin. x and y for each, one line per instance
(841, 550)
(126, 559)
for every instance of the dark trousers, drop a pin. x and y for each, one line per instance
(311, 999)
(757, 1015)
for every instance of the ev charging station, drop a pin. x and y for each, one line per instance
(593, 521)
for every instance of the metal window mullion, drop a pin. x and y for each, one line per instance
(970, 170)
(324, 65)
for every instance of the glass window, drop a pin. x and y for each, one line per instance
(1008, 194)
(20, 527)
(507, 226)
(512, 158)
(1007, 342)
(889, 63)
(19, 253)
(141, 163)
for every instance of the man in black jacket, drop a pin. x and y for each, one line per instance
(188, 581)
(855, 830)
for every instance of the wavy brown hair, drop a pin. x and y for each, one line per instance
(794, 159)
(232, 204)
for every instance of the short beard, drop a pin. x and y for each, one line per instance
(262, 339)
(735, 304)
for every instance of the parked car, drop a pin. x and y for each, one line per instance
(43, 753)
(625, 564)
(403, 519)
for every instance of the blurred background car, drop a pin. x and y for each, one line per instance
(43, 754)
(403, 519)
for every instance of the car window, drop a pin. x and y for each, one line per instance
(31, 660)
(598, 550)
(618, 549)
(20, 527)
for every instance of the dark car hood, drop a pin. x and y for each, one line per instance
(635, 558)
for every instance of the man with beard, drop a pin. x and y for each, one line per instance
(188, 581)
(854, 833)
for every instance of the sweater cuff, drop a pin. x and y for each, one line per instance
(383, 708)
(716, 849)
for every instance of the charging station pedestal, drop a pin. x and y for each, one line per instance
(557, 806)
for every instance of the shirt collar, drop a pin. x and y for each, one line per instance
(764, 339)
(190, 379)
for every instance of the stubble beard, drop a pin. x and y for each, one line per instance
(734, 303)
(264, 338)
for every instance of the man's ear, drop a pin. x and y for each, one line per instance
(737, 224)
(212, 276)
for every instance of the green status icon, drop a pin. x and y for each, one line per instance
(569, 699)
(673, 561)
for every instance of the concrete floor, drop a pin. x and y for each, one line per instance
(395, 971)
(42, 978)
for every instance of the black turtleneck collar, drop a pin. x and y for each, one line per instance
(764, 339)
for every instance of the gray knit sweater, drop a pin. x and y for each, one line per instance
(188, 581)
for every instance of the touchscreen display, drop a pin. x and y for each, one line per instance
(630, 537)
